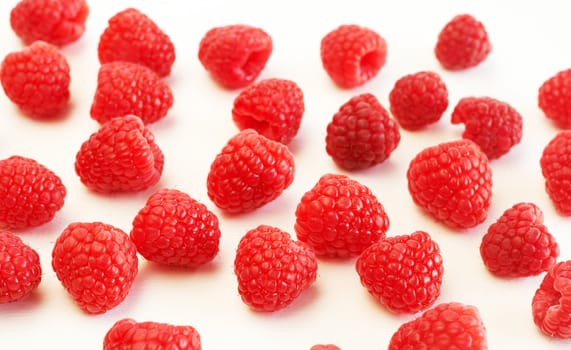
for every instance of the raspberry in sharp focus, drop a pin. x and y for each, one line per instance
(554, 98)
(555, 165)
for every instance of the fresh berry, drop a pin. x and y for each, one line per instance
(43, 67)
(175, 229)
(340, 217)
(20, 269)
(96, 263)
(272, 107)
(325, 347)
(404, 273)
(462, 43)
(272, 269)
(134, 37)
(120, 157)
(58, 22)
(361, 133)
(130, 334)
(452, 182)
(445, 327)
(418, 99)
(30, 193)
(518, 244)
(352, 55)
(235, 54)
(555, 165)
(554, 98)
(249, 172)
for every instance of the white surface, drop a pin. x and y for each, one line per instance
(530, 43)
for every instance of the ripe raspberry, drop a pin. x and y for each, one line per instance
(418, 100)
(45, 68)
(452, 182)
(272, 269)
(462, 43)
(235, 55)
(555, 165)
(174, 229)
(134, 37)
(325, 347)
(122, 156)
(96, 263)
(30, 193)
(518, 244)
(20, 269)
(554, 98)
(361, 134)
(249, 172)
(272, 107)
(58, 22)
(352, 55)
(340, 217)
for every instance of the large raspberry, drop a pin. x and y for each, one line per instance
(555, 165)
(554, 98)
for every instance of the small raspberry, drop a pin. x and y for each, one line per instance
(452, 181)
(134, 37)
(43, 67)
(249, 172)
(272, 107)
(340, 217)
(361, 134)
(555, 165)
(554, 98)
(352, 55)
(272, 269)
(174, 229)
(325, 347)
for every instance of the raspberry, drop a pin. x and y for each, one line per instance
(518, 244)
(340, 217)
(235, 55)
(272, 107)
(130, 88)
(249, 172)
(452, 182)
(325, 347)
(134, 37)
(96, 263)
(174, 229)
(361, 134)
(272, 269)
(555, 165)
(44, 67)
(554, 98)
(58, 22)
(462, 43)
(30, 193)
(20, 269)
(418, 100)
(352, 55)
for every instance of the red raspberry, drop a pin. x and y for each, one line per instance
(272, 107)
(554, 98)
(44, 67)
(174, 229)
(462, 43)
(235, 55)
(30, 193)
(325, 347)
(272, 269)
(340, 217)
(555, 165)
(352, 55)
(122, 156)
(58, 22)
(518, 244)
(20, 269)
(134, 37)
(418, 100)
(361, 134)
(96, 263)
(249, 172)
(452, 182)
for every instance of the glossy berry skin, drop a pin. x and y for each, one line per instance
(452, 182)
(554, 98)
(272, 269)
(96, 263)
(273, 107)
(30, 193)
(175, 229)
(340, 217)
(555, 165)
(361, 134)
(352, 55)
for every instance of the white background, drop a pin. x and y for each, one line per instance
(530, 43)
